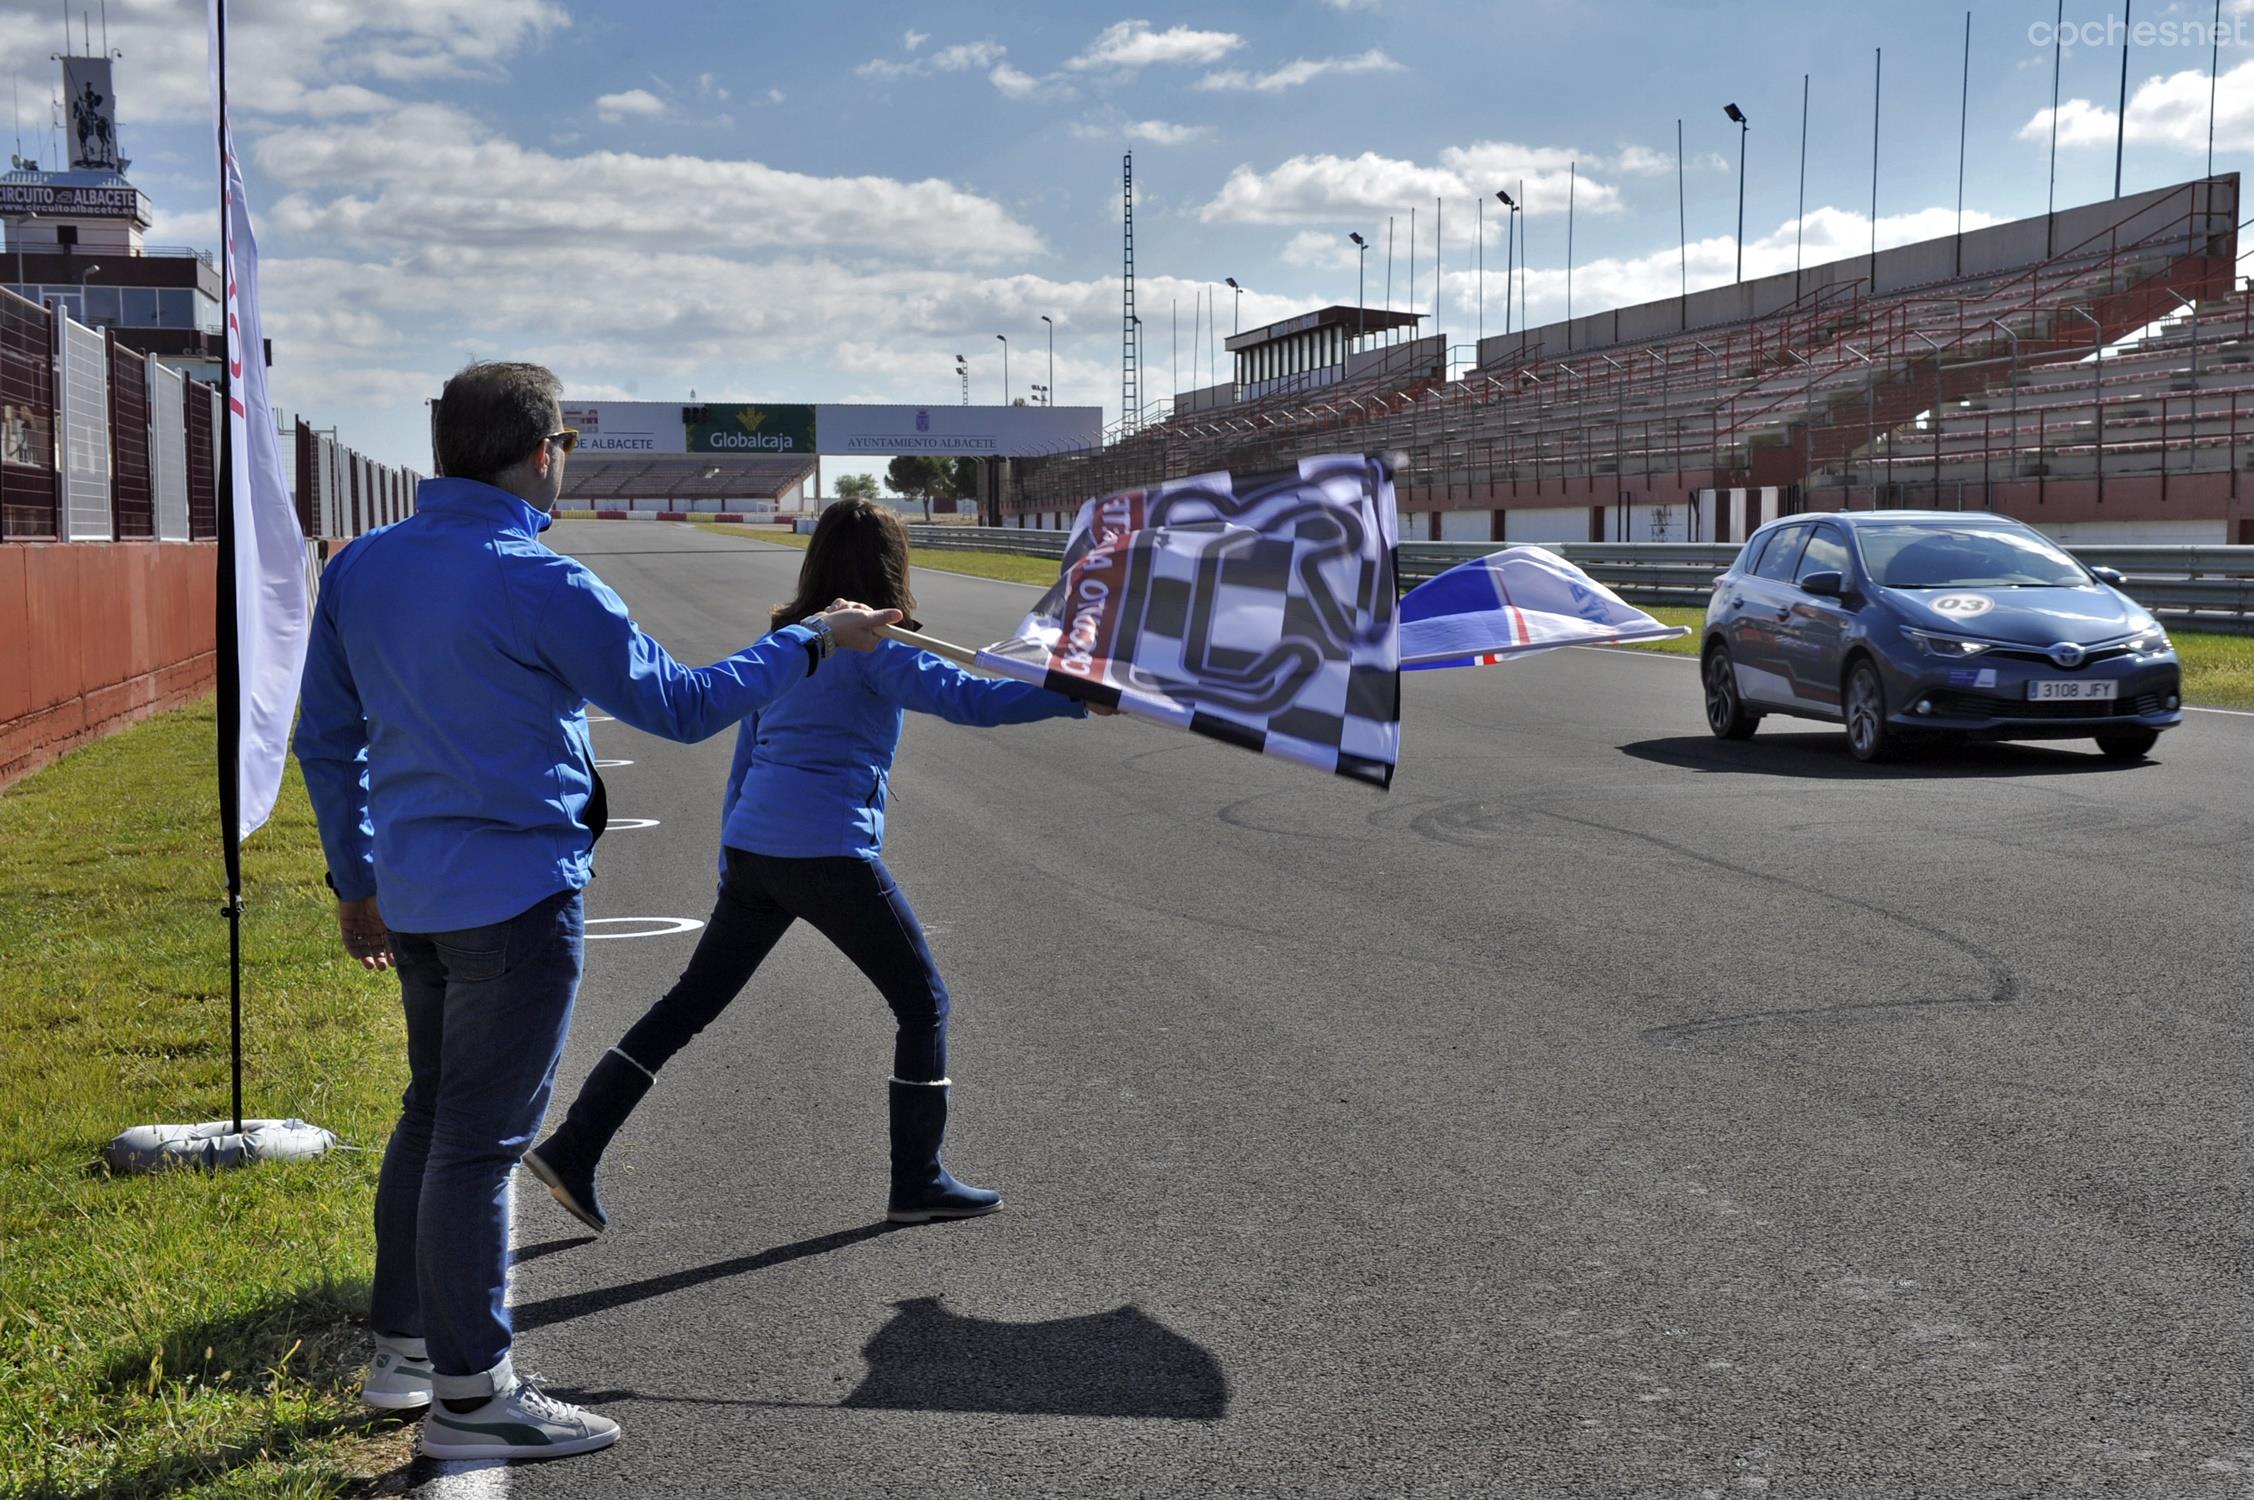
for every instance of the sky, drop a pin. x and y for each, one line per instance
(771, 202)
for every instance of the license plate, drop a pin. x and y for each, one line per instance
(2071, 690)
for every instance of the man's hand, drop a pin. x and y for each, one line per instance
(855, 625)
(365, 936)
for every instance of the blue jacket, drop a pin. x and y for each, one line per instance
(441, 725)
(812, 771)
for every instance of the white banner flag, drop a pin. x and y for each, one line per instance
(270, 602)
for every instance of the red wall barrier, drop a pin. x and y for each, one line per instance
(109, 634)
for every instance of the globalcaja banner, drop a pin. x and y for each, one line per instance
(742, 427)
(981, 431)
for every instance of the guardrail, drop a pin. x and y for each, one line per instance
(2189, 588)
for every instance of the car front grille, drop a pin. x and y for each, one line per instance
(2042, 655)
(1989, 706)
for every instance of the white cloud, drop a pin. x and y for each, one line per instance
(1318, 250)
(1642, 161)
(433, 175)
(964, 56)
(2169, 111)
(1132, 44)
(1155, 132)
(1361, 189)
(633, 104)
(1303, 70)
(776, 96)
(961, 57)
(304, 57)
(708, 87)
(1012, 83)
(911, 40)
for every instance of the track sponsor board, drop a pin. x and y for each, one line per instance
(746, 427)
(982, 431)
(626, 427)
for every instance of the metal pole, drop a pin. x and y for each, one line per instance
(2050, 206)
(1572, 176)
(229, 652)
(1800, 215)
(1878, 76)
(1742, 128)
(1682, 228)
(1964, 107)
(2121, 122)
(2214, 59)
(1053, 359)
(1006, 365)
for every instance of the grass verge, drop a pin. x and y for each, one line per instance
(184, 1333)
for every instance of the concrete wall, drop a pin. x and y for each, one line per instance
(1547, 523)
(2002, 247)
(95, 637)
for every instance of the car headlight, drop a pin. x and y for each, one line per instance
(1950, 646)
(2149, 642)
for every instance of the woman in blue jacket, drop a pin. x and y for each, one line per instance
(804, 827)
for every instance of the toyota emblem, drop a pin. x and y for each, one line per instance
(2067, 655)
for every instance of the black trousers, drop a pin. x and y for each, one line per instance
(856, 904)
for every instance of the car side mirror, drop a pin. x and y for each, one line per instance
(1826, 584)
(2111, 577)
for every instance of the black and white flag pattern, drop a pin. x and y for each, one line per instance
(1257, 609)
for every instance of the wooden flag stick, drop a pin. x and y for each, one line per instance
(933, 644)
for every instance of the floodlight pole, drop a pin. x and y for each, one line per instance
(1744, 127)
(1051, 388)
(1005, 367)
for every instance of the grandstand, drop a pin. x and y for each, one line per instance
(2091, 372)
(691, 483)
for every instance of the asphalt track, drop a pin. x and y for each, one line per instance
(1606, 1111)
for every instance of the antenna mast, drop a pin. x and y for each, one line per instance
(1130, 406)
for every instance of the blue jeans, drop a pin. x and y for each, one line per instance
(487, 1010)
(853, 902)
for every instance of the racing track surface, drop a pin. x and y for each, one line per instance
(1606, 1111)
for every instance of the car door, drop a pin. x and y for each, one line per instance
(1760, 605)
(1814, 633)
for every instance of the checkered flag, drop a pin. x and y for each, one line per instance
(1255, 609)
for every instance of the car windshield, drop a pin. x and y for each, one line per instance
(1930, 557)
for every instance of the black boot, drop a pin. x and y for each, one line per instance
(566, 1161)
(921, 1188)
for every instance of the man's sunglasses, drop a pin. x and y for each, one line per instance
(567, 439)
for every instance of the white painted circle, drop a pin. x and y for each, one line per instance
(665, 927)
(1963, 606)
(611, 765)
(615, 824)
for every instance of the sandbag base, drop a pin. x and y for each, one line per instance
(157, 1148)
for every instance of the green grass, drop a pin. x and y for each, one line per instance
(2218, 669)
(184, 1333)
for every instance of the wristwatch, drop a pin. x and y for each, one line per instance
(825, 639)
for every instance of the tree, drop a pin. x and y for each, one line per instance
(856, 486)
(917, 478)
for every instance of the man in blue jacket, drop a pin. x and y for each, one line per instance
(444, 742)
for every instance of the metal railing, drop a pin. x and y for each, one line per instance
(2189, 588)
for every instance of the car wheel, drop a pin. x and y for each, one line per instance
(1725, 710)
(2127, 744)
(1869, 737)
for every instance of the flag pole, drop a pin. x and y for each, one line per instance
(229, 652)
(937, 647)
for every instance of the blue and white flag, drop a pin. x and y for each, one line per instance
(1514, 603)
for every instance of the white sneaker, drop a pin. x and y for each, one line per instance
(398, 1378)
(521, 1422)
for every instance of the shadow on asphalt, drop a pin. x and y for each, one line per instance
(1824, 757)
(563, 1309)
(1122, 1363)
(523, 1253)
